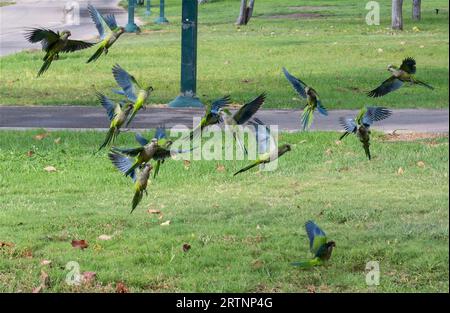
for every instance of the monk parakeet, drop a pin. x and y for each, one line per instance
(163, 144)
(242, 116)
(117, 114)
(361, 124)
(313, 101)
(142, 155)
(404, 74)
(318, 245)
(212, 115)
(53, 43)
(135, 92)
(267, 151)
(140, 186)
(108, 30)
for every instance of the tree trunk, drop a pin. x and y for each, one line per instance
(249, 14)
(416, 10)
(397, 16)
(242, 13)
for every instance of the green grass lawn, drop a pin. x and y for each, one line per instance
(244, 230)
(331, 48)
(5, 3)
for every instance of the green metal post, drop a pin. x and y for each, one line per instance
(131, 27)
(188, 83)
(161, 19)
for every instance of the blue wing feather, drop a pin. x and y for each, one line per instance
(298, 85)
(374, 114)
(312, 230)
(160, 133)
(107, 104)
(125, 81)
(141, 139)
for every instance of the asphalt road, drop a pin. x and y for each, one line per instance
(79, 117)
(14, 19)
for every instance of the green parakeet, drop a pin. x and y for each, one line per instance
(242, 116)
(404, 74)
(318, 245)
(313, 101)
(135, 92)
(53, 43)
(117, 114)
(361, 124)
(140, 186)
(108, 30)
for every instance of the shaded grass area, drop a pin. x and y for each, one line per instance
(338, 54)
(244, 231)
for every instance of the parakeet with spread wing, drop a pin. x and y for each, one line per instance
(108, 30)
(265, 144)
(404, 74)
(242, 116)
(117, 114)
(135, 92)
(53, 43)
(361, 124)
(140, 186)
(211, 116)
(313, 101)
(318, 245)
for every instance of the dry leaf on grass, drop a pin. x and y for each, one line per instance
(220, 168)
(45, 282)
(421, 164)
(187, 164)
(186, 247)
(121, 288)
(30, 153)
(153, 211)
(50, 169)
(166, 223)
(89, 277)
(57, 140)
(6, 244)
(338, 142)
(328, 151)
(400, 171)
(46, 262)
(82, 244)
(104, 237)
(41, 136)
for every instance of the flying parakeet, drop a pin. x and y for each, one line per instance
(140, 186)
(313, 101)
(135, 92)
(108, 30)
(404, 74)
(318, 245)
(54, 43)
(265, 144)
(211, 116)
(361, 124)
(117, 114)
(242, 116)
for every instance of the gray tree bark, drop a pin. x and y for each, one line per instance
(416, 10)
(251, 5)
(242, 13)
(397, 16)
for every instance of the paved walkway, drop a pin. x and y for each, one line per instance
(14, 19)
(79, 117)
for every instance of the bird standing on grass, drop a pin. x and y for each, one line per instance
(140, 186)
(404, 74)
(108, 30)
(318, 245)
(117, 114)
(313, 101)
(135, 92)
(212, 115)
(361, 124)
(242, 116)
(53, 43)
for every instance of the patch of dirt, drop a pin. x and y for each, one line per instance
(299, 16)
(393, 137)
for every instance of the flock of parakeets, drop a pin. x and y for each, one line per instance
(135, 162)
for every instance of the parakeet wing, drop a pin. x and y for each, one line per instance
(122, 163)
(374, 114)
(107, 104)
(75, 45)
(141, 139)
(99, 21)
(298, 85)
(220, 103)
(129, 151)
(409, 65)
(125, 81)
(316, 236)
(46, 36)
(322, 110)
(110, 19)
(389, 85)
(160, 133)
(348, 124)
(249, 109)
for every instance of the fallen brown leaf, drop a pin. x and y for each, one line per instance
(400, 171)
(166, 223)
(45, 282)
(186, 247)
(104, 237)
(57, 140)
(30, 153)
(187, 164)
(41, 136)
(328, 151)
(46, 262)
(50, 169)
(6, 244)
(27, 254)
(421, 164)
(220, 168)
(121, 288)
(338, 142)
(82, 244)
(89, 277)
(153, 211)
